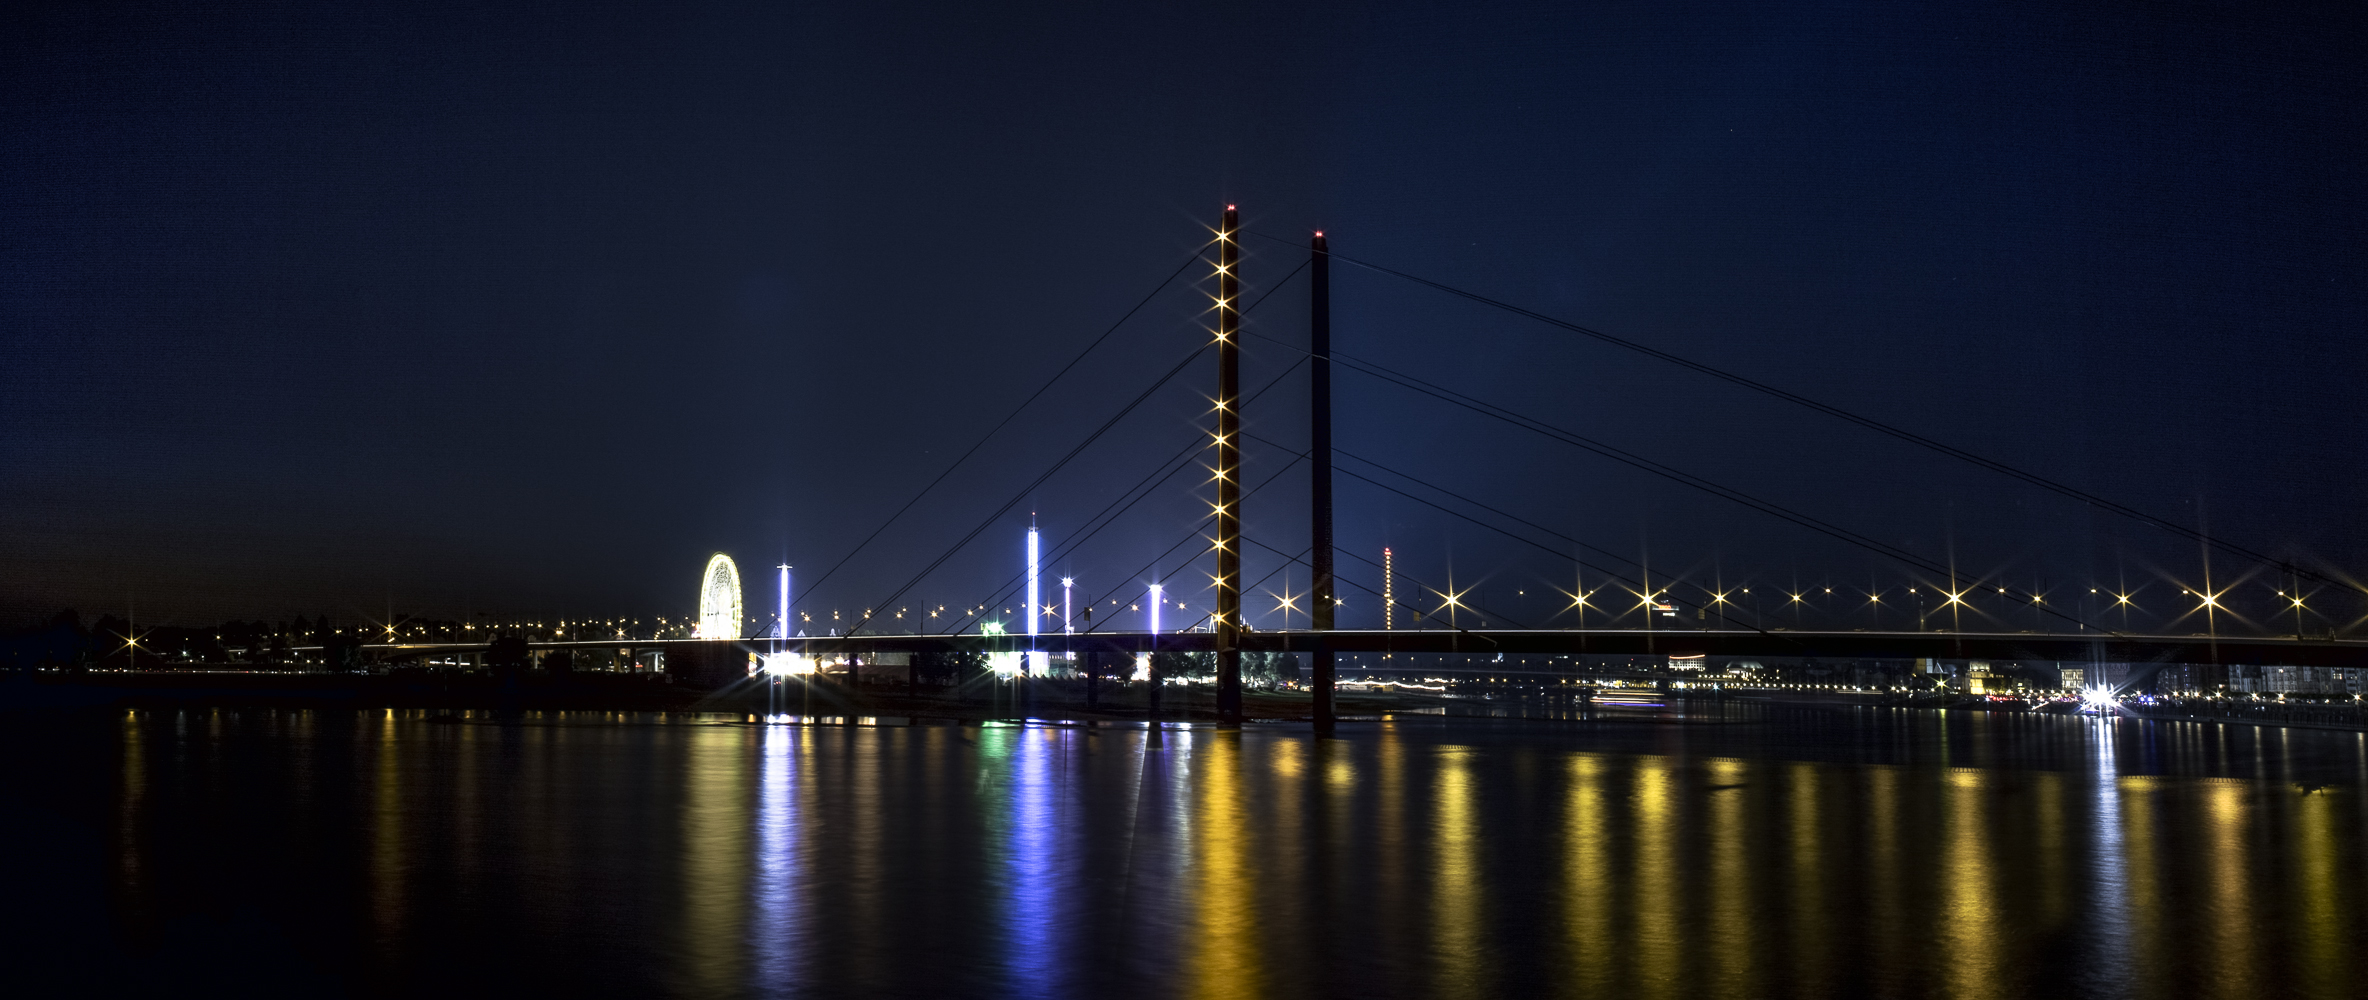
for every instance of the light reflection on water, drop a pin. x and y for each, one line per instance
(1586, 880)
(1810, 951)
(1035, 867)
(780, 934)
(1224, 953)
(1968, 917)
(1653, 882)
(1730, 924)
(715, 857)
(2115, 897)
(717, 862)
(1457, 881)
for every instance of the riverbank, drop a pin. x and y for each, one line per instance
(979, 701)
(424, 689)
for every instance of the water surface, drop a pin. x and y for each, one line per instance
(1801, 853)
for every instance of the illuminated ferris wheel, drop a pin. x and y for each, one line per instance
(719, 599)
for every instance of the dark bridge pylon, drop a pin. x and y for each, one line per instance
(1228, 619)
(1319, 454)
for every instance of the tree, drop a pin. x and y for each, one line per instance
(507, 656)
(341, 652)
(1269, 669)
(946, 667)
(1185, 666)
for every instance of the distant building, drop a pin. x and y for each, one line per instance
(2190, 678)
(2282, 680)
(887, 666)
(1978, 679)
(2074, 678)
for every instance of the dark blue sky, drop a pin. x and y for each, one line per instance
(313, 309)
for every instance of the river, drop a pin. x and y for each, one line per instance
(1792, 852)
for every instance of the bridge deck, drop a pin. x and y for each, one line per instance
(1774, 644)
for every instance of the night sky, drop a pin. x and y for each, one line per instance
(322, 310)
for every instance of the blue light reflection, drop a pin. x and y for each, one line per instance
(780, 932)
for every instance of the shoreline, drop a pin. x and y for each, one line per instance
(977, 703)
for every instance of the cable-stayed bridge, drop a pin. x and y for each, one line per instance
(1721, 625)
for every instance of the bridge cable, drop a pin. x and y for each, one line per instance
(1260, 582)
(1416, 609)
(1730, 494)
(1188, 537)
(1032, 485)
(1009, 417)
(1613, 574)
(1838, 413)
(1141, 491)
(1725, 492)
(1189, 446)
(1056, 466)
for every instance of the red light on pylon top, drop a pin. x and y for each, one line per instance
(1319, 232)
(1229, 208)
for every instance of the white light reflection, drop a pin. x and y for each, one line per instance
(2108, 881)
(781, 928)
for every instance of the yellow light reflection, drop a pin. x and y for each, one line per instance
(2135, 797)
(1342, 834)
(130, 880)
(869, 909)
(386, 840)
(2232, 932)
(1656, 882)
(2320, 952)
(1808, 919)
(1286, 891)
(717, 819)
(1455, 878)
(1969, 931)
(1389, 876)
(1586, 882)
(2053, 885)
(1730, 889)
(1225, 958)
(1885, 868)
